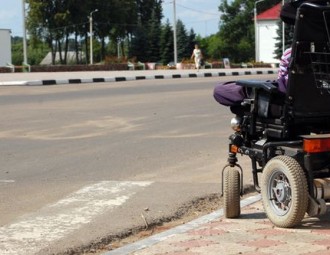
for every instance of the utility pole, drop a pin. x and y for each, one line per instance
(91, 35)
(174, 34)
(283, 33)
(118, 47)
(24, 35)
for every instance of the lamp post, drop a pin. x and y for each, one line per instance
(256, 33)
(91, 34)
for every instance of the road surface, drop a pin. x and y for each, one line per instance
(83, 163)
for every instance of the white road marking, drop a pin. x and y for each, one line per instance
(7, 181)
(36, 231)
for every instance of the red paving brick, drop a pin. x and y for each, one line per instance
(207, 232)
(325, 242)
(194, 243)
(263, 243)
(267, 232)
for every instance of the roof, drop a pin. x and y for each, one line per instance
(271, 14)
(71, 56)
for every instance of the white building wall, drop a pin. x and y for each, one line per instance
(267, 40)
(5, 47)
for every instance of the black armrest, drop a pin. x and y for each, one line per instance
(265, 85)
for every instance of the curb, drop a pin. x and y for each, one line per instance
(139, 245)
(133, 78)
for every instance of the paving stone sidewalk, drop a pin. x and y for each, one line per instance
(251, 234)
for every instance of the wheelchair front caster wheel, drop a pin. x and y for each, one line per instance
(231, 192)
(284, 191)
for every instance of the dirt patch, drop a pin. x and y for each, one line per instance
(185, 213)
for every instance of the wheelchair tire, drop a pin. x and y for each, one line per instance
(284, 191)
(231, 193)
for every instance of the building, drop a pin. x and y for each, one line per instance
(5, 49)
(71, 57)
(267, 25)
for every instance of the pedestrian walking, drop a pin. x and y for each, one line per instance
(198, 56)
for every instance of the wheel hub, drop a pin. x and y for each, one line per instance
(281, 192)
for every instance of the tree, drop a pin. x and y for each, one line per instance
(154, 28)
(288, 34)
(132, 26)
(237, 28)
(166, 43)
(182, 41)
(145, 37)
(114, 20)
(17, 49)
(214, 45)
(191, 40)
(139, 47)
(51, 21)
(37, 51)
(57, 21)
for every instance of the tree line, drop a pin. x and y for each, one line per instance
(131, 28)
(134, 29)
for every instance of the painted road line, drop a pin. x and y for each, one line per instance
(7, 181)
(34, 232)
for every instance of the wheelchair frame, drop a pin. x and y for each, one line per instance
(287, 136)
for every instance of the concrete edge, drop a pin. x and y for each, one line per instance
(152, 240)
(134, 78)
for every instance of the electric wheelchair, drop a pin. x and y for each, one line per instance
(287, 135)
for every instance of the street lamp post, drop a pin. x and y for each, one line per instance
(91, 34)
(256, 34)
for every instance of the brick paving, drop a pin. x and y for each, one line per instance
(251, 234)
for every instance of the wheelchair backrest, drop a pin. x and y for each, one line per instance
(308, 93)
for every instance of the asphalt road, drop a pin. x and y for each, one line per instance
(82, 163)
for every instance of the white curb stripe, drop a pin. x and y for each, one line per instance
(34, 232)
(13, 83)
(142, 77)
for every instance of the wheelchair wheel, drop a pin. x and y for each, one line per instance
(284, 191)
(231, 193)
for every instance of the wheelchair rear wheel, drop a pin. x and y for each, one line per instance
(231, 193)
(284, 191)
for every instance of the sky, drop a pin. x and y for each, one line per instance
(200, 15)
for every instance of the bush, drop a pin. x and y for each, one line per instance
(114, 60)
(217, 64)
(5, 70)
